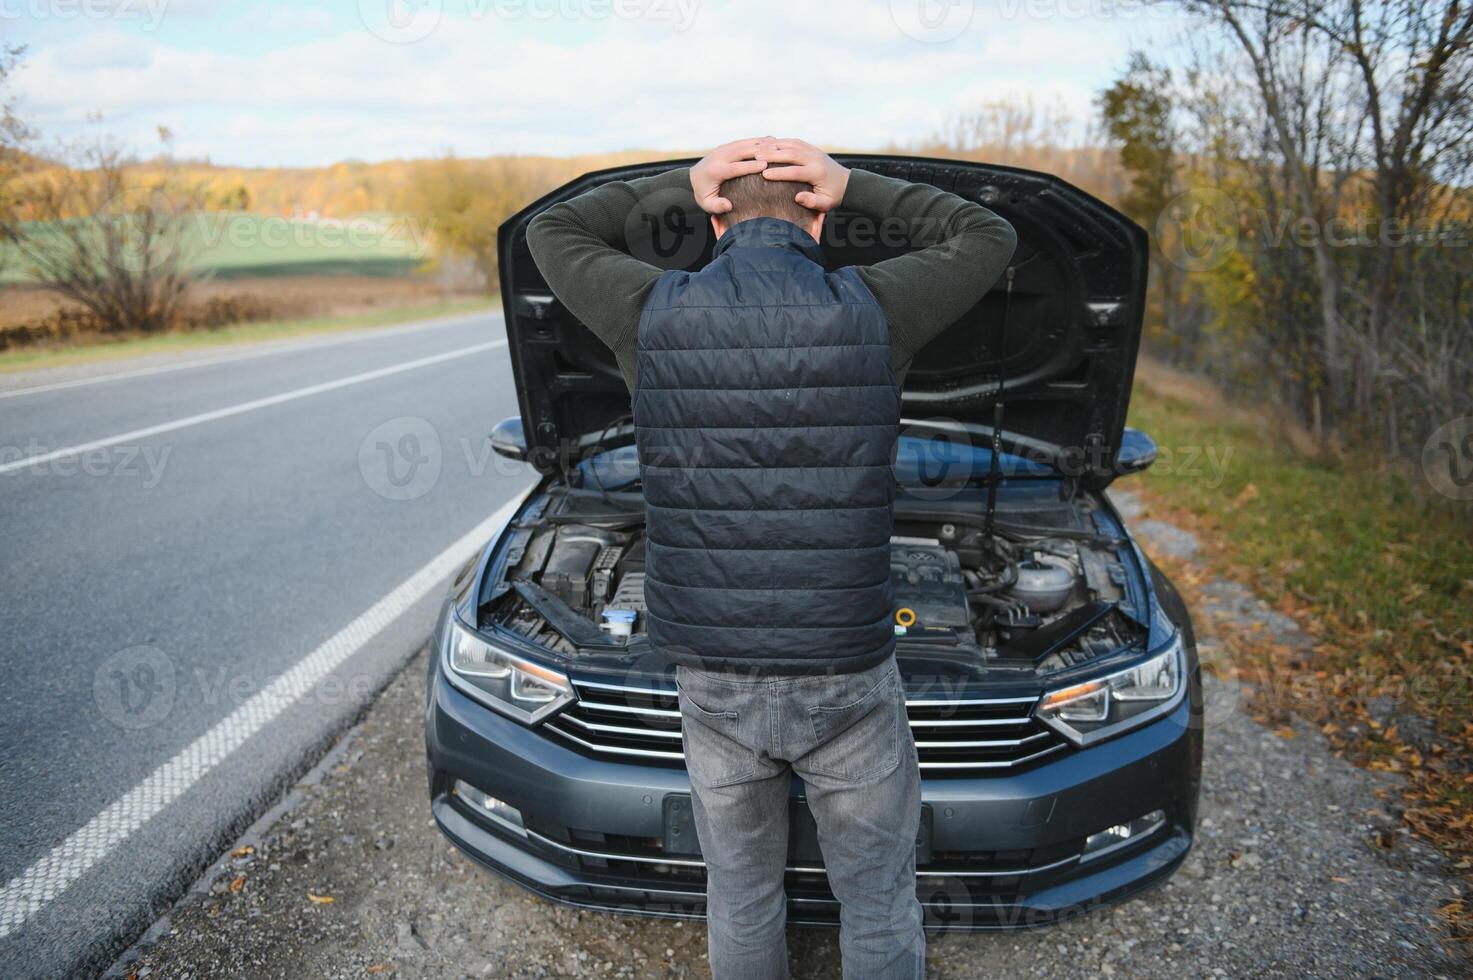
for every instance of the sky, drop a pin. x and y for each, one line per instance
(260, 83)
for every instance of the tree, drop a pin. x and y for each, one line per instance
(466, 201)
(1369, 107)
(114, 245)
(14, 135)
(1414, 61)
(1137, 113)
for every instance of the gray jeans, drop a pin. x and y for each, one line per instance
(846, 735)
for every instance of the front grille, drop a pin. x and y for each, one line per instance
(953, 736)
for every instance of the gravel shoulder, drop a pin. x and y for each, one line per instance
(1298, 870)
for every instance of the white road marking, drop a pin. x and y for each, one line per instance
(243, 407)
(374, 334)
(41, 883)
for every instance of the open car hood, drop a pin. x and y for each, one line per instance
(1061, 349)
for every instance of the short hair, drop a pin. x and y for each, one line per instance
(754, 196)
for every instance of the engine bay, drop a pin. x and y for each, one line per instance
(1040, 591)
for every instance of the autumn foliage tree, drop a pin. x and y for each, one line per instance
(1337, 133)
(114, 245)
(465, 202)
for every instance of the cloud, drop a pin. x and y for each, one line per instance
(103, 51)
(501, 76)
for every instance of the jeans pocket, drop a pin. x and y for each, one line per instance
(861, 738)
(714, 753)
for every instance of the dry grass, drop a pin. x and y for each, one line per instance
(305, 295)
(36, 319)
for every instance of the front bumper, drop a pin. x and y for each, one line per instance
(997, 851)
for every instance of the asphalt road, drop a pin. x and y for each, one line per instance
(208, 572)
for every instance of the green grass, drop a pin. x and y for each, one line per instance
(1384, 564)
(231, 244)
(1377, 568)
(243, 333)
(234, 244)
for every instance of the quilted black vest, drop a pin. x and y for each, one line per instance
(766, 413)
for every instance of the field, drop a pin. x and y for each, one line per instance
(232, 244)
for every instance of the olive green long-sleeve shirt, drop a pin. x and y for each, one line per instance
(579, 247)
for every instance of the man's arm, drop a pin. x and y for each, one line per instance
(924, 292)
(579, 248)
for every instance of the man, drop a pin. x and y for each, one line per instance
(766, 411)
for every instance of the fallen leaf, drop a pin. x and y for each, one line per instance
(237, 884)
(320, 899)
(377, 968)
(242, 851)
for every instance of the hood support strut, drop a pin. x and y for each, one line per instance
(994, 473)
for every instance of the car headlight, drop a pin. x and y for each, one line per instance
(515, 687)
(1097, 709)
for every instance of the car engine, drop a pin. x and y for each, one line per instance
(1042, 596)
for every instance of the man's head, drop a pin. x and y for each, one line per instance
(755, 196)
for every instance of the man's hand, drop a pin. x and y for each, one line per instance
(730, 160)
(809, 165)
